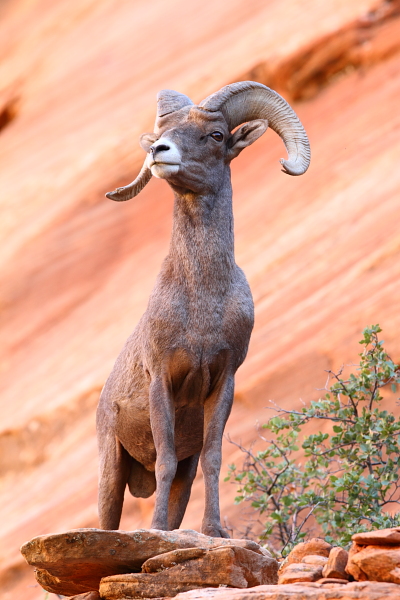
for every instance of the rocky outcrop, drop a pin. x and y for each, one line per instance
(314, 560)
(313, 547)
(299, 572)
(305, 562)
(152, 564)
(171, 561)
(221, 567)
(310, 591)
(336, 564)
(384, 537)
(328, 590)
(375, 556)
(86, 596)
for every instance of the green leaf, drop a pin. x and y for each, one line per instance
(345, 473)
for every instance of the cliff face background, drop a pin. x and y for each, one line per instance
(78, 82)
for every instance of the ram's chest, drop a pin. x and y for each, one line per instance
(206, 317)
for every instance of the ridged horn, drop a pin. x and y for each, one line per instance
(169, 101)
(248, 100)
(127, 192)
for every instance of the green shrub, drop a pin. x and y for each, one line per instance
(346, 476)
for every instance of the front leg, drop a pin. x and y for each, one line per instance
(162, 419)
(216, 412)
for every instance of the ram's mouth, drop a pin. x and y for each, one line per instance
(162, 163)
(164, 170)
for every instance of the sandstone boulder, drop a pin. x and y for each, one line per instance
(340, 580)
(311, 591)
(74, 562)
(315, 559)
(225, 566)
(86, 596)
(315, 546)
(374, 563)
(300, 572)
(336, 564)
(67, 587)
(381, 537)
(171, 559)
(352, 568)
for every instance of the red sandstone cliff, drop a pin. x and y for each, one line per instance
(78, 82)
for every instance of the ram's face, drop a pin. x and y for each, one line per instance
(192, 145)
(190, 150)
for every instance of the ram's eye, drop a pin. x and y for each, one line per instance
(217, 136)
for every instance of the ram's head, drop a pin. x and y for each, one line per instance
(191, 145)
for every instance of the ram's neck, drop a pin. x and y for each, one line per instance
(202, 246)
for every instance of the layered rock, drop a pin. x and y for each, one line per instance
(375, 556)
(336, 564)
(310, 591)
(329, 590)
(92, 563)
(299, 572)
(305, 562)
(315, 559)
(86, 596)
(313, 547)
(74, 562)
(384, 537)
(228, 567)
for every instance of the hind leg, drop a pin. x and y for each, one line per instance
(180, 490)
(114, 473)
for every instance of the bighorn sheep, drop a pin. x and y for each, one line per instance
(167, 400)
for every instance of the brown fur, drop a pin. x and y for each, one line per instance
(167, 400)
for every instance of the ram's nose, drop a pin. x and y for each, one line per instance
(162, 147)
(164, 158)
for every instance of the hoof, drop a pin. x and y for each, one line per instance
(215, 531)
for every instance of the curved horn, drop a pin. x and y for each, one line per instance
(127, 192)
(247, 100)
(169, 101)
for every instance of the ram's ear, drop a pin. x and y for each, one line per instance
(245, 136)
(147, 140)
